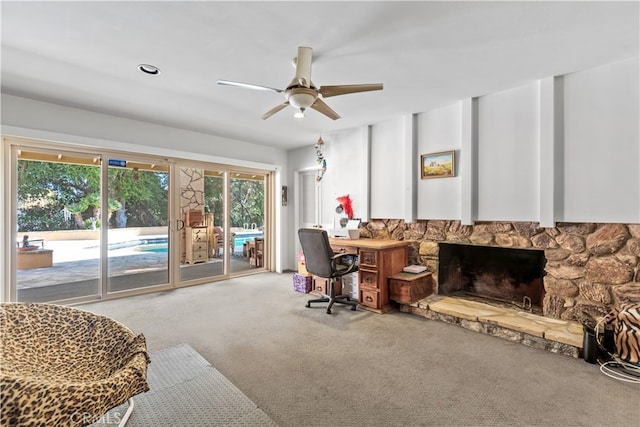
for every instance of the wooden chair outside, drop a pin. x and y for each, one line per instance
(218, 242)
(257, 253)
(194, 218)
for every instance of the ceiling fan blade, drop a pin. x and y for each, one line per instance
(274, 110)
(303, 66)
(248, 86)
(327, 91)
(319, 105)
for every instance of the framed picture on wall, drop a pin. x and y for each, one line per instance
(438, 165)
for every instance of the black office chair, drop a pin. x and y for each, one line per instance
(321, 261)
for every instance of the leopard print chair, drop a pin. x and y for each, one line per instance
(61, 366)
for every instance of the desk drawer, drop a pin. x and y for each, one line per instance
(368, 258)
(369, 279)
(344, 249)
(369, 298)
(408, 292)
(320, 286)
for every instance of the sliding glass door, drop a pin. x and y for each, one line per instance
(57, 248)
(247, 218)
(92, 225)
(202, 226)
(222, 219)
(138, 224)
(71, 208)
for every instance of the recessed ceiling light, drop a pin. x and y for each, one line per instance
(149, 69)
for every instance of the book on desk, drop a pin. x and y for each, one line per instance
(414, 269)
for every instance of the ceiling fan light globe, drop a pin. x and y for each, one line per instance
(301, 100)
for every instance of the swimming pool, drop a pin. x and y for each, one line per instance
(152, 247)
(152, 244)
(160, 245)
(242, 237)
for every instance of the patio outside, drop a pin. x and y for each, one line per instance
(61, 215)
(75, 267)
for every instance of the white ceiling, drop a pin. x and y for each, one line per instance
(427, 54)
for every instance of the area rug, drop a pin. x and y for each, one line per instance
(185, 390)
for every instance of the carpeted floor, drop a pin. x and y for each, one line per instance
(303, 367)
(185, 390)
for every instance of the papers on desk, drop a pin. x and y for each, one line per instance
(345, 233)
(349, 232)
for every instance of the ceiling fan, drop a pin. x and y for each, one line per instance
(301, 93)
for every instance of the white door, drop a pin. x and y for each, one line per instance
(307, 202)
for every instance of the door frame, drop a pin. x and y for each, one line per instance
(8, 215)
(298, 204)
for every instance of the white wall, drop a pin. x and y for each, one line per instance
(388, 151)
(346, 154)
(29, 118)
(601, 148)
(508, 166)
(40, 120)
(563, 148)
(439, 130)
(346, 173)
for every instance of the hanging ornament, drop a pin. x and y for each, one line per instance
(321, 160)
(345, 202)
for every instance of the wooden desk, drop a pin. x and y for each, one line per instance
(378, 259)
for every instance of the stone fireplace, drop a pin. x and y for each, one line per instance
(505, 275)
(574, 274)
(589, 267)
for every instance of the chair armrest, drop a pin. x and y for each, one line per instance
(338, 258)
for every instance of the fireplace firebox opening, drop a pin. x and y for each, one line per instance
(506, 275)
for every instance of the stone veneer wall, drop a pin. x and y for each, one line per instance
(590, 267)
(191, 199)
(191, 189)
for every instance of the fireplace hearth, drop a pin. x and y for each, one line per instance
(503, 275)
(589, 269)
